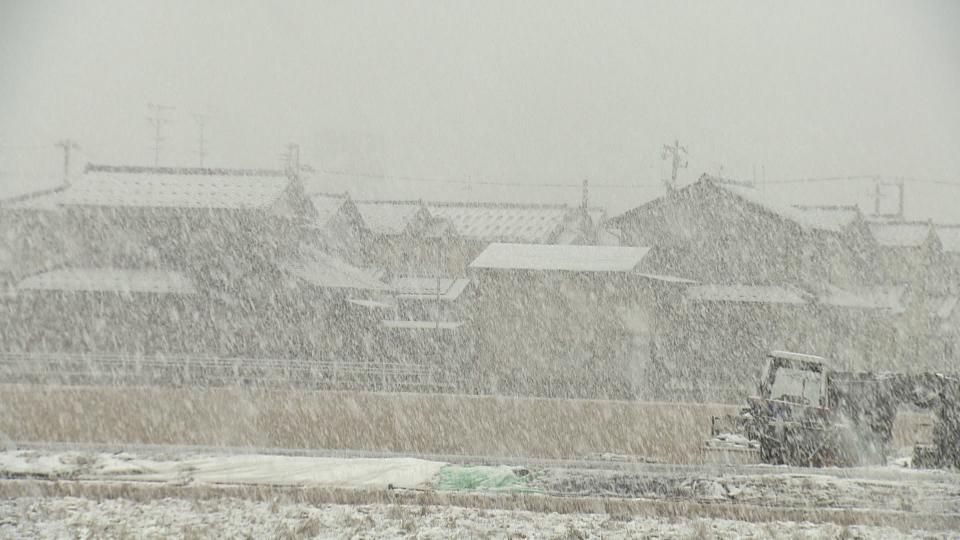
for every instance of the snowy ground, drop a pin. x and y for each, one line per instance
(69, 517)
(61, 494)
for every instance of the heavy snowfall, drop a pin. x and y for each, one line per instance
(479, 270)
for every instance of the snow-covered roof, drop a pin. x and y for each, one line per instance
(503, 222)
(944, 307)
(326, 206)
(388, 217)
(832, 218)
(422, 325)
(949, 238)
(425, 288)
(900, 234)
(808, 219)
(149, 189)
(119, 280)
(48, 199)
(326, 271)
(369, 304)
(560, 257)
(761, 294)
(881, 297)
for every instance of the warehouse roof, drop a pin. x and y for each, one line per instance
(119, 280)
(560, 257)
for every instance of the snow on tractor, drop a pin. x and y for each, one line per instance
(807, 414)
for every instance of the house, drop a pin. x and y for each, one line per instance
(248, 242)
(911, 253)
(567, 320)
(717, 232)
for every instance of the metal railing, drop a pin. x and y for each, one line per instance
(200, 370)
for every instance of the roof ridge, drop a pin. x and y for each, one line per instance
(197, 171)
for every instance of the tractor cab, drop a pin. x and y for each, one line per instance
(794, 378)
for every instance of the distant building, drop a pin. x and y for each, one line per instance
(568, 321)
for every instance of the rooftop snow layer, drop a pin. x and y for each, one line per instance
(172, 190)
(502, 222)
(425, 288)
(766, 294)
(326, 271)
(900, 234)
(119, 280)
(326, 206)
(949, 238)
(560, 257)
(388, 217)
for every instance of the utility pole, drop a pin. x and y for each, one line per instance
(878, 195)
(201, 120)
(292, 160)
(158, 118)
(67, 145)
(678, 157)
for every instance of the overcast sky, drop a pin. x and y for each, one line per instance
(527, 92)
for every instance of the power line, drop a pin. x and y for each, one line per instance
(860, 177)
(501, 183)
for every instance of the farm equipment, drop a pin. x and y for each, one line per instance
(806, 413)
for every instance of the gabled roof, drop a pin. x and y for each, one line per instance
(425, 288)
(176, 188)
(560, 257)
(117, 280)
(949, 236)
(832, 219)
(490, 222)
(760, 294)
(391, 217)
(900, 234)
(326, 271)
(327, 206)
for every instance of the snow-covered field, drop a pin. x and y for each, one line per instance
(74, 494)
(69, 517)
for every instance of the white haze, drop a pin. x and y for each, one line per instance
(503, 92)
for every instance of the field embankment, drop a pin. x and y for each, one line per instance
(405, 423)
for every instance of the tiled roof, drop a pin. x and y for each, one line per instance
(900, 234)
(560, 257)
(766, 294)
(119, 280)
(173, 190)
(501, 222)
(326, 271)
